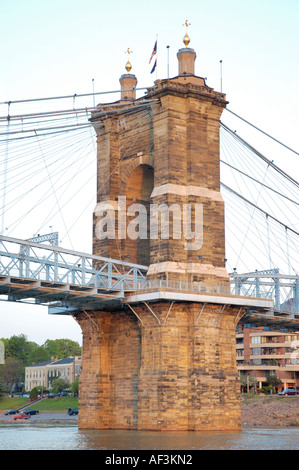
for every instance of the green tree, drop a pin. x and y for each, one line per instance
(75, 387)
(2, 385)
(273, 382)
(58, 385)
(33, 393)
(12, 372)
(246, 381)
(61, 348)
(39, 354)
(19, 348)
(5, 342)
(51, 347)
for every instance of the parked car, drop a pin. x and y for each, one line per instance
(72, 411)
(31, 412)
(11, 412)
(22, 416)
(53, 395)
(289, 391)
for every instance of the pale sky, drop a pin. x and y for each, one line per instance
(57, 47)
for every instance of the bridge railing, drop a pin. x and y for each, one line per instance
(283, 289)
(30, 260)
(150, 284)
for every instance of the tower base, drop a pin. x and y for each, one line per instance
(164, 366)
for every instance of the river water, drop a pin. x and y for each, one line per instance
(68, 437)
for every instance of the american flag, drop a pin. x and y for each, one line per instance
(155, 64)
(154, 52)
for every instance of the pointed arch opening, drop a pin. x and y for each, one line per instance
(139, 187)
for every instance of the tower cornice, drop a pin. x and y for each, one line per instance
(194, 86)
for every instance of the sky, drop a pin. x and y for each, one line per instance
(63, 47)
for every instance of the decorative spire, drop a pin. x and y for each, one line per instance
(128, 81)
(186, 56)
(186, 39)
(128, 64)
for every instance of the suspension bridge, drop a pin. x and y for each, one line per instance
(48, 168)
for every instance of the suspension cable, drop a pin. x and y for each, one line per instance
(260, 130)
(70, 96)
(259, 182)
(259, 208)
(269, 162)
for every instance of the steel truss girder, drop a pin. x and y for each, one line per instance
(271, 284)
(30, 260)
(29, 269)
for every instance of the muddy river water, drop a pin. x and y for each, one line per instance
(66, 436)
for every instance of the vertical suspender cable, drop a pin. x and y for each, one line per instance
(268, 236)
(52, 186)
(287, 244)
(5, 171)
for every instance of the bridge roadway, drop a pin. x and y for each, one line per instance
(67, 282)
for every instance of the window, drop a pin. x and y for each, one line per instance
(256, 340)
(256, 351)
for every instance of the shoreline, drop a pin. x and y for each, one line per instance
(256, 411)
(44, 417)
(270, 411)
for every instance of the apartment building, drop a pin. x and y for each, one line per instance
(44, 373)
(263, 353)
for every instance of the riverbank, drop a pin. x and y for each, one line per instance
(263, 411)
(44, 417)
(270, 411)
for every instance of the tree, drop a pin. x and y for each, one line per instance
(273, 381)
(34, 393)
(2, 385)
(12, 372)
(58, 385)
(39, 354)
(75, 387)
(51, 347)
(246, 381)
(5, 341)
(19, 352)
(19, 348)
(61, 348)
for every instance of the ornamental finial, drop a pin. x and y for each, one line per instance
(186, 39)
(128, 64)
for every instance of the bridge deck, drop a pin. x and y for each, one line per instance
(46, 292)
(67, 282)
(65, 299)
(258, 311)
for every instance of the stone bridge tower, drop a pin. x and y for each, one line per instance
(164, 358)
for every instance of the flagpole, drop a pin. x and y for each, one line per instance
(221, 76)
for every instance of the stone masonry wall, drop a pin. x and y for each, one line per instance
(170, 367)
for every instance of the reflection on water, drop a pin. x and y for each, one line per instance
(62, 437)
(246, 439)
